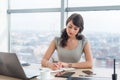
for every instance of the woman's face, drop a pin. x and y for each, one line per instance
(71, 29)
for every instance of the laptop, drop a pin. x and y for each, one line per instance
(11, 66)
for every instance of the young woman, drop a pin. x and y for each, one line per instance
(70, 46)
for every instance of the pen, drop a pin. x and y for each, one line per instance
(34, 77)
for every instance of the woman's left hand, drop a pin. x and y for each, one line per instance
(63, 64)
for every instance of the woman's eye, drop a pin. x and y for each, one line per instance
(70, 26)
(75, 29)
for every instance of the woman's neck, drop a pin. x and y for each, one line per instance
(71, 43)
(71, 39)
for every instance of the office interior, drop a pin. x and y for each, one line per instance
(28, 26)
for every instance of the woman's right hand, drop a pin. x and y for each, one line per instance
(54, 66)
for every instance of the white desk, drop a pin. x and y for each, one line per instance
(100, 72)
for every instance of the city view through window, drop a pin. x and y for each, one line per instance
(30, 47)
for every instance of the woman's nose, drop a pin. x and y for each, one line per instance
(72, 30)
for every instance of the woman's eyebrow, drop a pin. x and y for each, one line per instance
(70, 25)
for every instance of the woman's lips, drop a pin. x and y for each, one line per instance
(70, 33)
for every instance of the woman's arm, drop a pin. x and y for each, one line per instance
(88, 56)
(45, 61)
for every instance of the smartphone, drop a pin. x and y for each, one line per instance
(88, 72)
(64, 74)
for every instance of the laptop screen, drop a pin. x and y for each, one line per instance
(10, 65)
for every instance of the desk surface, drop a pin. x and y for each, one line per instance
(99, 72)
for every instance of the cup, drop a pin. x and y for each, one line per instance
(45, 75)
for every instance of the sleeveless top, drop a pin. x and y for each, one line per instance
(67, 55)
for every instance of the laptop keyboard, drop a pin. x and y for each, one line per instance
(30, 73)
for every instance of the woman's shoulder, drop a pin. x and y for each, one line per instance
(84, 40)
(57, 38)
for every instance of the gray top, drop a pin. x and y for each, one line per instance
(66, 55)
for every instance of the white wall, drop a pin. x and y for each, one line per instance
(3, 26)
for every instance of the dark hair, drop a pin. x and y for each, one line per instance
(77, 21)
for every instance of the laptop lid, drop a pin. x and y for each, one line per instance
(10, 66)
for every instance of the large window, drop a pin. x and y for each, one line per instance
(33, 24)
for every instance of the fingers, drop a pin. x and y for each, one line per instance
(58, 65)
